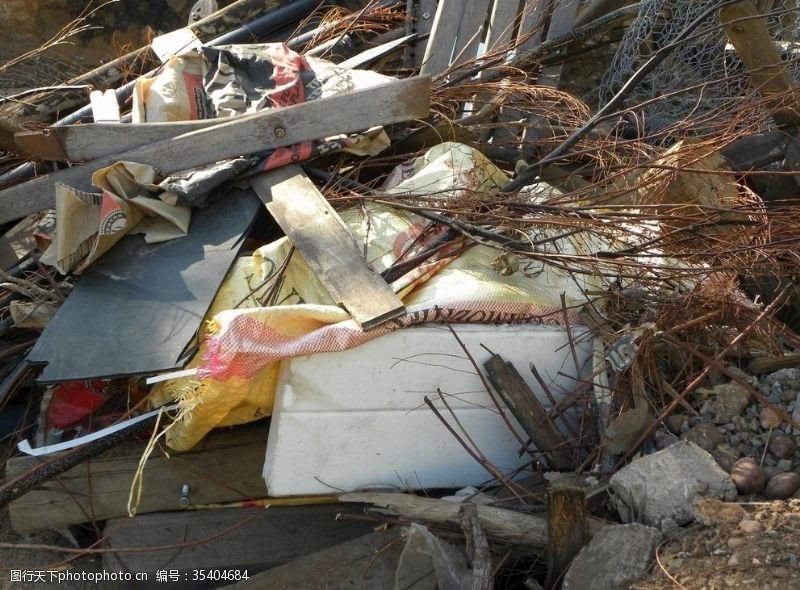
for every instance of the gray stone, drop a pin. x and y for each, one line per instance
(615, 557)
(789, 380)
(705, 435)
(784, 464)
(796, 412)
(667, 484)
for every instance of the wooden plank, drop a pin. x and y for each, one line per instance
(561, 23)
(444, 32)
(534, 17)
(531, 30)
(225, 467)
(268, 538)
(750, 37)
(529, 412)
(500, 524)
(327, 246)
(366, 563)
(470, 31)
(501, 24)
(425, 12)
(80, 143)
(566, 530)
(393, 102)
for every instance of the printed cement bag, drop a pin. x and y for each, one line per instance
(204, 83)
(89, 224)
(256, 323)
(215, 82)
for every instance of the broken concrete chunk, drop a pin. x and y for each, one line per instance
(728, 400)
(667, 484)
(615, 557)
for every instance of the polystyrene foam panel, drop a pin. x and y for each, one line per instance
(357, 419)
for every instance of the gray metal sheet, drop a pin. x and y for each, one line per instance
(134, 311)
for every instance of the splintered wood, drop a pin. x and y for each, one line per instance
(321, 237)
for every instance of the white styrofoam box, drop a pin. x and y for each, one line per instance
(357, 419)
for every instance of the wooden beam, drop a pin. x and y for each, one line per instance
(500, 524)
(393, 102)
(319, 234)
(529, 412)
(534, 17)
(268, 538)
(566, 530)
(225, 467)
(80, 143)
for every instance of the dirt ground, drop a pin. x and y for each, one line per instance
(745, 545)
(38, 560)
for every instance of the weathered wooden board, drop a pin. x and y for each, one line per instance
(327, 246)
(500, 524)
(269, 538)
(501, 24)
(373, 54)
(561, 23)
(78, 143)
(225, 467)
(534, 17)
(528, 411)
(393, 102)
(425, 12)
(444, 31)
(366, 563)
(470, 31)
(455, 34)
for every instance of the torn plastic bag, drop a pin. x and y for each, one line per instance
(424, 552)
(89, 224)
(249, 334)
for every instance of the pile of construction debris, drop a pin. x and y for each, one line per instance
(497, 297)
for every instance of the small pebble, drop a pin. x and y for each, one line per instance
(785, 464)
(724, 460)
(705, 435)
(751, 527)
(675, 423)
(747, 476)
(782, 447)
(770, 471)
(769, 419)
(735, 542)
(735, 559)
(782, 486)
